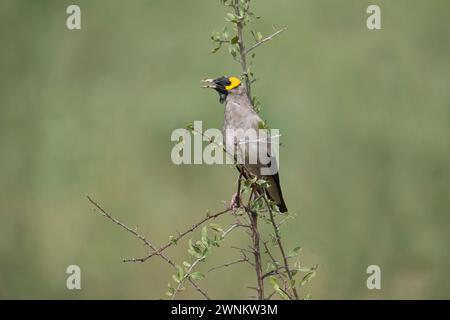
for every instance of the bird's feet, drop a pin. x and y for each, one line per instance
(235, 202)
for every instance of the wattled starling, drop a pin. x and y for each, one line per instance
(240, 117)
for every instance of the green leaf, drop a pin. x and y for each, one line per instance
(186, 264)
(274, 283)
(193, 250)
(232, 51)
(231, 17)
(282, 294)
(174, 277)
(234, 40)
(172, 240)
(307, 278)
(294, 252)
(270, 266)
(259, 36)
(216, 227)
(171, 290)
(197, 275)
(262, 125)
(205, 239)
(180, 272)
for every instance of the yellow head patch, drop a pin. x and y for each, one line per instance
(234, 83)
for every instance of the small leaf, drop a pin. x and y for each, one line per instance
(259, 36)
(274, 283)
(231, 16)
(294, 252)
(171, 291)
(174, 277)
(216, 227)
(172, 240)
(197, 275)
(205, 239)
(282, 294)
(192, 249)
(234, 40)
(262, 125)
(232, 51)
(307, 277)
(180, 272)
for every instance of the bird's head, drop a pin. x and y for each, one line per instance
(224, 86)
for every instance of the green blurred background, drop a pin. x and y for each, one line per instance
(365, 117)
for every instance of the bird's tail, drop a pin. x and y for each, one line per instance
(282, 206)
(274, 192)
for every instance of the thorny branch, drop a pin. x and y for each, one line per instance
(104, 213)
(244, 259)
(280, 246)
(178, 237)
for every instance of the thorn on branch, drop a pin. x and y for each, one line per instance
(244, 259)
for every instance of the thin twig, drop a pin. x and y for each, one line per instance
(104, 213)
(244, 259)
(256, 45)
(178, 237)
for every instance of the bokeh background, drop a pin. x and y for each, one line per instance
(365, 117)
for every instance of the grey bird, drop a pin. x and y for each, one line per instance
(240, 117)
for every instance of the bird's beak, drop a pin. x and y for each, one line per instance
(208, 83)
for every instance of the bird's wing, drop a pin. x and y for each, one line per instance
(274, 190)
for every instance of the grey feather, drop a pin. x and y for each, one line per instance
(240, 116)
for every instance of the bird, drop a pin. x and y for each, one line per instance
(240, 117)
